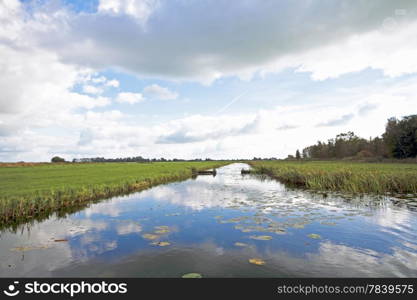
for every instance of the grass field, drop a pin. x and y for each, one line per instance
(352, 177)
(30, 190)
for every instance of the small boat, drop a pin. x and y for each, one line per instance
(243, 171)
(205, 172)
(208, 172)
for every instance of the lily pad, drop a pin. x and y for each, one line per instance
(161, 244)
(162, 229)
(257, 261)
(150, 236)
(172, 215)
(233, 220)
(261, 237)
(192, 275)
(277, 230)
(247, 230)
(314, 236)
(328, 223)
(298, 226)
(29, 248)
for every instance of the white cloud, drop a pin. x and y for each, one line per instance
(100, 79)
(93, 90)
(159, 92)
(391, 51)
(34, 95)
(113, 83)
(97, 85)
(114, 134)
(139, 9)
(128, 228)
(202, 128)
(130, 98)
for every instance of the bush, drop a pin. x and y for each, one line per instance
(57, 159)
(364, 153)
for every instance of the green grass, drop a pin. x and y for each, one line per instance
(30, 191)
(351, 177)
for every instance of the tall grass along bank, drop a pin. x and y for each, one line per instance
(30, 191)
(351, 177)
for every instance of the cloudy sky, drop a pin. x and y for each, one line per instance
(191, 79)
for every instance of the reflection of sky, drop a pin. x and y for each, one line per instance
(203, 212)
(214, 260)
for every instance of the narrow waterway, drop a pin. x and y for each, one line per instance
(224, 226)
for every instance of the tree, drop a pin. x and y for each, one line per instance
(345, 145)
(306, 153)
(297, 154)
(57, 159)
(401, 136)
(398, 141)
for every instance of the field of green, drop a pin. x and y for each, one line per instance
(351, 177)
(28, 191)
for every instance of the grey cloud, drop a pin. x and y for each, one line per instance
(8, 129)
(337, 122)
(86, 137)
(202, 39)
(183, 135)
(9, 150)
(366, 109)
(286, 127)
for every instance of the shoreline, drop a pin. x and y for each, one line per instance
(18, 209)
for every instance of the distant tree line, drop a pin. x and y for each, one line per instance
(265, 158)
(139, 159)
(398, 141)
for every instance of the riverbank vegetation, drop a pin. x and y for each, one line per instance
(349, 163)
(27, 191)
(351, 177)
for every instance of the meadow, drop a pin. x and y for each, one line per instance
(28, 191)
(350, 177)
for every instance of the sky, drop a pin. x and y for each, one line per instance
(195, 79)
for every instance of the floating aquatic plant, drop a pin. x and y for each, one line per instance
(29, 248)
(314, 236)
(150, 236)
(161, 244)
(192, 275)
(239, 244)
(162, 229)
(257, 261)
(261, 237)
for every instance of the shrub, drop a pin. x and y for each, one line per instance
(57, 159)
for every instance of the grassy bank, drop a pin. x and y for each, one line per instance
(352, 177)
(30, 191)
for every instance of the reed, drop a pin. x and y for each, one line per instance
(351, 177)
(28, 192)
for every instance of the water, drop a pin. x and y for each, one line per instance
(202, 219)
